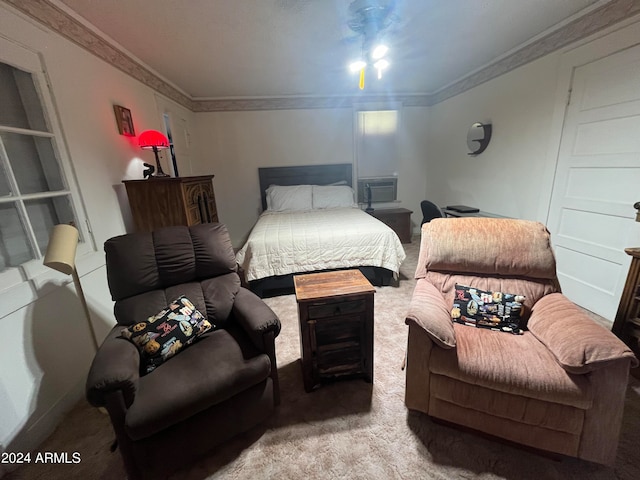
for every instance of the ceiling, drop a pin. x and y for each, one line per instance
(217, 49)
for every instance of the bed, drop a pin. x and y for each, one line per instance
(310, 222)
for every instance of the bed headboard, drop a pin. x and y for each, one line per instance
(303, 175)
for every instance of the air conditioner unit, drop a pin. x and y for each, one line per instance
(383, 189)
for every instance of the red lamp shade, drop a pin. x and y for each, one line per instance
(151, 139)
(154, 140)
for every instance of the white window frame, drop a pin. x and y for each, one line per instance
(367, 107)
(23, 284)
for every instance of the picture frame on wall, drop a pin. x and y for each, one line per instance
(124, 121)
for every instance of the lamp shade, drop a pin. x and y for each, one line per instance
(61, 251)
(153, 138)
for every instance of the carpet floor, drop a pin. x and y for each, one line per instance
(345, 430)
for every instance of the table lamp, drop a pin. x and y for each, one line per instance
(61, 256)
(369, 208)
(154, 140)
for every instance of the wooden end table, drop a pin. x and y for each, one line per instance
(398, 219)
(335, 312)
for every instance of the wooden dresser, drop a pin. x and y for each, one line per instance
(336, 325)
(627, 322)
(398, 219)
(168, 201)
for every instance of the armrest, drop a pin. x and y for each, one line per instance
(429, 311)
(577, 342)
(116, 366)
(255, 317)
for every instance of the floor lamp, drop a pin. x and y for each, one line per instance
(61, 256)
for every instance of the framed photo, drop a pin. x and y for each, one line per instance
(124, 121)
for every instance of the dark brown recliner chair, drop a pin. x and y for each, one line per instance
(223, 384)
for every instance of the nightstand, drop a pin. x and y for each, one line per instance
(335, 311)
(399, 219)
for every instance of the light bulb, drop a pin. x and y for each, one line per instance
(357, 66)
(361, 83)
(379, 51)
(381, 64)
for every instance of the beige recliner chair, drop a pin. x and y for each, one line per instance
(559, 386)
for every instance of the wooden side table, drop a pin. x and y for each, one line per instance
(627, 322)
(399, 219)
(335, 312)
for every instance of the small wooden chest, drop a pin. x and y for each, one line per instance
(335, 312)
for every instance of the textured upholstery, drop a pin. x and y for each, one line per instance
(489, 246)
(553, 324)
(558, 387)
(221, 385)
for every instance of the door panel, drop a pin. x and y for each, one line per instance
(597, 181)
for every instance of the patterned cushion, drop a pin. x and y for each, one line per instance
(163, 335)
(483, 309)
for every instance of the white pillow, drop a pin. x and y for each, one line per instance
(330, 196)
(286, 198)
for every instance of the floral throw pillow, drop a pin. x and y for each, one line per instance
(163, 335)
(494, 310)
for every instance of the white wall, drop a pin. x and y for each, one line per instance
(506, 177)
(47, 348)
(514, 176)
(238, 143)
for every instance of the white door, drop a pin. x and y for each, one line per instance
(591, 216)
(175, 120)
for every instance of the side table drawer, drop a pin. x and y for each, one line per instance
(333, 309)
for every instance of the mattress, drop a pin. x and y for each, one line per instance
(281, 243)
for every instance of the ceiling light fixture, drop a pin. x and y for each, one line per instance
(357, 66)
(370, 18)
(379, 51)
(381, 65)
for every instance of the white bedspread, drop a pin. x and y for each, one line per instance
(292, 242)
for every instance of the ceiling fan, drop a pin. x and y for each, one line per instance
(370, 19)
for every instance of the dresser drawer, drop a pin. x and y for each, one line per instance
(333, 309)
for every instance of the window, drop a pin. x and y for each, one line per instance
(376, 153)
(35, 194)
(377, 143)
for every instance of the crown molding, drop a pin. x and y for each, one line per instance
(292, 103)
(64, 24)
